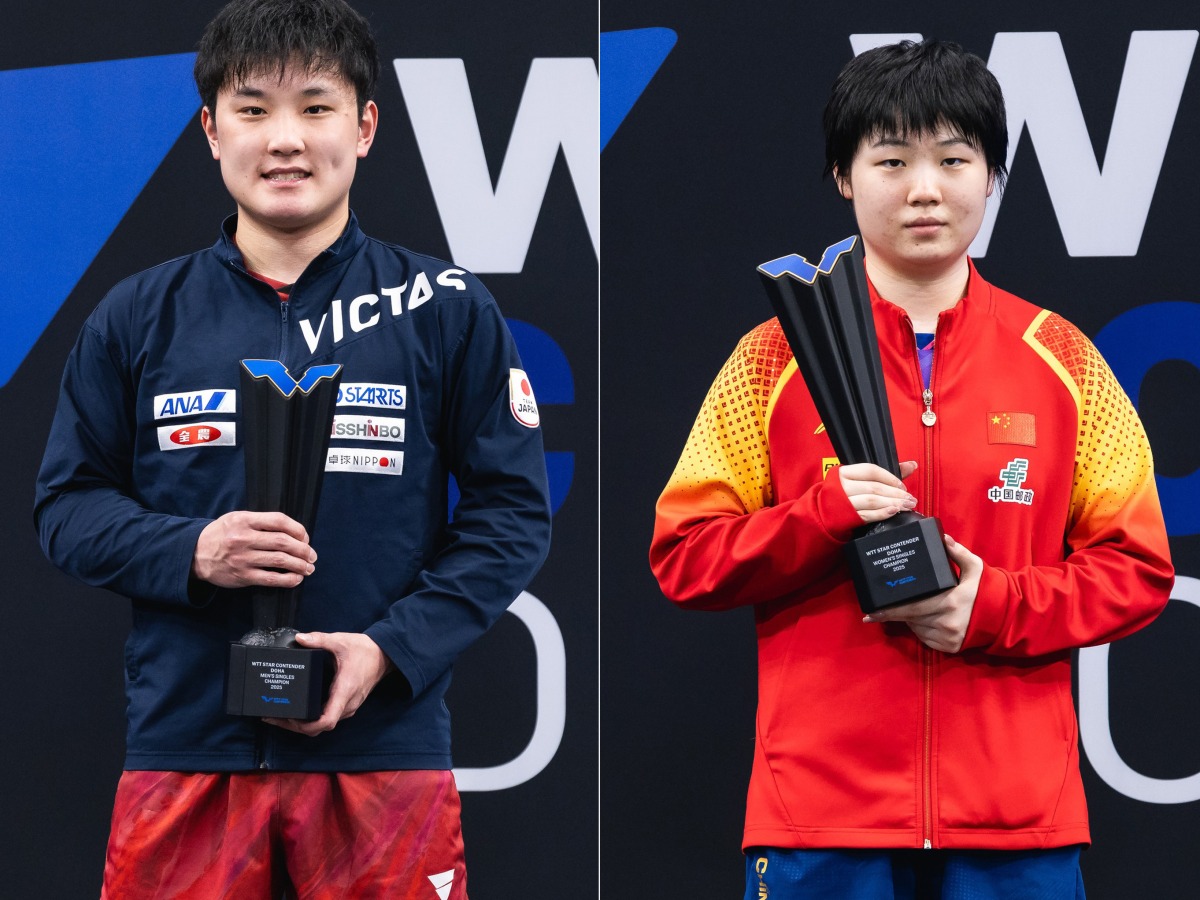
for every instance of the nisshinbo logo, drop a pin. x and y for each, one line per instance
(368, 428)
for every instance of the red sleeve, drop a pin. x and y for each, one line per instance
(720, 539)
(1116, 576)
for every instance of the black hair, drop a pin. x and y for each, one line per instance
(916, 88)
(248, 37)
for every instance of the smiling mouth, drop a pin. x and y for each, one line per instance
(285, 176)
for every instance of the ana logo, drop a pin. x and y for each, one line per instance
(267, 699)
(1012, 477)
(893, 584)
(198, 434)
(521, 399)
(169, 406)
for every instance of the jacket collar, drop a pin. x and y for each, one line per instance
(976, 302)
(340, 250)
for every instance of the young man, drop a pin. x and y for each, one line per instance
(928, 750)
(142, 491)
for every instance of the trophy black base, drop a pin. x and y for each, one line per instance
(899, 561)
(281, 682)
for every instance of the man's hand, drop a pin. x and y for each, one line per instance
(875, 492)
(360, 665)
(253, 548)
(941, 621)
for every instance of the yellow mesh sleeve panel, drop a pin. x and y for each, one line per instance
(1112, 454)
(727, 446)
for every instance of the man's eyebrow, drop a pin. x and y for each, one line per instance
(316, 90)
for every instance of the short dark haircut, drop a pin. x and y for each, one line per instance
(248, 37)
(916, 88)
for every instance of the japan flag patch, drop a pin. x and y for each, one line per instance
(520, 399)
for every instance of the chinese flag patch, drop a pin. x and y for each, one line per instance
(1012, 428)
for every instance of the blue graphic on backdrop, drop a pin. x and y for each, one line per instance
(78, 144)
(628, 60)
(1132, 344)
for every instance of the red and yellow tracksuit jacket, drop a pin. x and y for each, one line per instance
(1038, 463)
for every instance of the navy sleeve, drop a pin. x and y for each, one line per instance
(89, 524)
(500, 533)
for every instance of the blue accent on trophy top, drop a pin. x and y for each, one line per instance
(801, 269)
(280, 377)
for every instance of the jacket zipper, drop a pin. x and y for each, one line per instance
(260, 747)
(283, 329)
(924, 654)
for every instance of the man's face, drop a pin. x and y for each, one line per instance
(288, 148)
(919, 200)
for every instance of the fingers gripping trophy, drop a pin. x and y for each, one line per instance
(825, 313)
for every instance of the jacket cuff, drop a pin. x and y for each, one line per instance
(835, 513)
(394, 650)
(194, 593)
(989, 612)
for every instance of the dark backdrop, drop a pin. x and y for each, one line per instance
(715, 169)
(103, 172)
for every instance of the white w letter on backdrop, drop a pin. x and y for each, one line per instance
(490, 230)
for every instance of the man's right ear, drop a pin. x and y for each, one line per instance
(843, 184)
(209, 123)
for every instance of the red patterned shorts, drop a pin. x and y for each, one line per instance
(272, 835)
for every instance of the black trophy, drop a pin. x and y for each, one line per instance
(286, 427)
(825, 312)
